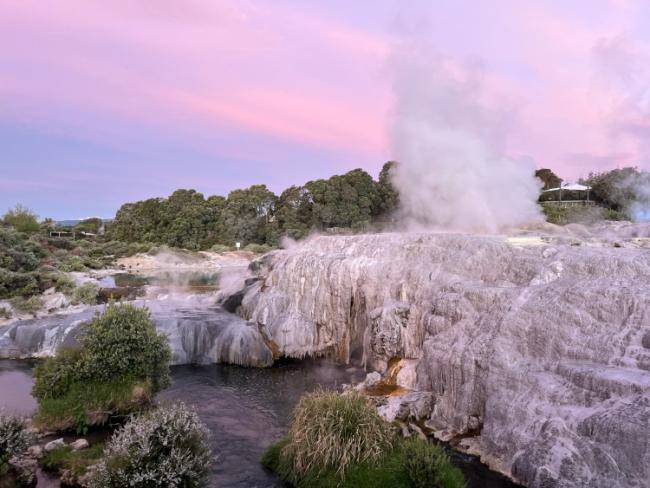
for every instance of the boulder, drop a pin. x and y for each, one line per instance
(79, 444)
(50, 446)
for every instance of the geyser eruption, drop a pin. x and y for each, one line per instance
(452, 174)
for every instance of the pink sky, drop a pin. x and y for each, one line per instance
(218, 95)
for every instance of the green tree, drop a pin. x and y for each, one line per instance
(549, 178)
(247, 214)
(91, 225)
(293, 212)
(350, 200)
(388, 194)
(22, 219)
(616, 189)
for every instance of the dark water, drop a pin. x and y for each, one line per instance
(246, 410)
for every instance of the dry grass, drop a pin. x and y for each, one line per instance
(334, 431)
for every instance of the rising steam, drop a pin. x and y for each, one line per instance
(451, 173)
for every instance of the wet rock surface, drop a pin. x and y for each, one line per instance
(534, 347)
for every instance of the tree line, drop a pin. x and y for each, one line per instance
(255, 215)
(353, 201)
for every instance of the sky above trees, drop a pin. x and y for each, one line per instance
(107, 102)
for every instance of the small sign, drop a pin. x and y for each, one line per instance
(237, 245)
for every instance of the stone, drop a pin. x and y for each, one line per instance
(537, 346)
(79, 444)
(35, 452)
(55, 300)
(50, 446)
(372, 379)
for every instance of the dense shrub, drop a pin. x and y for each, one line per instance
(22, 219)
(55, 376)
(14, 439)
(165, 447)
(428, 466)
(86, 294)
(18, 252)
(258, 248)
(27, 305)
(330, 430)
(123, 341)
(122, 361)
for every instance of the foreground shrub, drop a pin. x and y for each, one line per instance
(123, 342)
(122, 361)
(339, 441)
(71, 465)
(14, 440)
(330, 430)
(89, 403)
(396, 468)
(166, 447)
(86, 294)
(428, 466)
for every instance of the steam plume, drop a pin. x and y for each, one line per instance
(451, 173)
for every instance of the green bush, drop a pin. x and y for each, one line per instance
(73, 263)
(329, 430)
(73, 463)
(22, 219)
(86, 294)
(88, 403)
(411, 463)
(428, 466)
(62, 283)
(54, 376)
(119, 349)
(5, 313)
(258, 248)
(165, 447)
(27, 305)
(14, 440)
(123, 341)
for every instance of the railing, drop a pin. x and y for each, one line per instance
(569, 203)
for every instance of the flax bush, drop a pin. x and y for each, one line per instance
(330, 430)
(166, 447)
(14, 440)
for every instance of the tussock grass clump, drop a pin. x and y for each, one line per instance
(330, 430)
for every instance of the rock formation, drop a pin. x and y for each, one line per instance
(533, 349)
